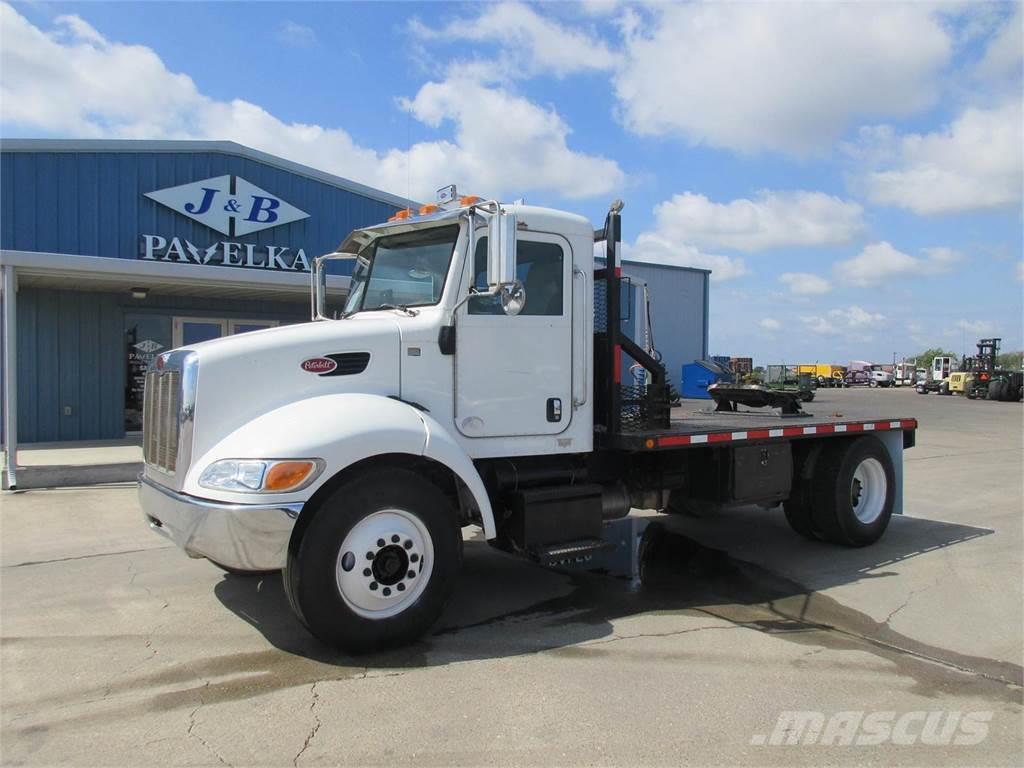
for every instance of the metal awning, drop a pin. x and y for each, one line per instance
(98, 273)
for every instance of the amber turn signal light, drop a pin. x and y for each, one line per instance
(286, 475)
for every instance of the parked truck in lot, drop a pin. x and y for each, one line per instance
(473, 376)
(824, 374)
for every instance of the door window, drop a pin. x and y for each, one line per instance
(539, 267)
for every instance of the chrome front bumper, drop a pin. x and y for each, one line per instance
(249, 537)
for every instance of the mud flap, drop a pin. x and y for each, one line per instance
(892, 439)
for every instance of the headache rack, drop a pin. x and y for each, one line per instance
(621, 408)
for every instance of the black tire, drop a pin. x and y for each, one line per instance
(944, 388)
(872, 383)
(996, 389)
(798, 512)
(807, 395)
(239, 571)
(833, 492)
(311, 577)
(922, 390)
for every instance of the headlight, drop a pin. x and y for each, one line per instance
(260, 475)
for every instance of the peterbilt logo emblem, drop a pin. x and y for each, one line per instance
(229, 204)
(148, 346)
(319, 365)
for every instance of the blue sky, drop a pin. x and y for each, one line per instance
(851, 173)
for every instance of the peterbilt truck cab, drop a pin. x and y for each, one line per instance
(472, 375)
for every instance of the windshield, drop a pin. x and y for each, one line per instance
(406, 270)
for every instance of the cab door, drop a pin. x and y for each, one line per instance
(513, 374)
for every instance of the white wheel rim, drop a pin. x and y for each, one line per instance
(868, 490)
(384, 563)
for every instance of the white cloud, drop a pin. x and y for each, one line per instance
(879, 262)
(298, 35)
(974, 163)
(980, 328)
(654, 247)
(770, 324)
(805, 284)
(667, 243)
(773, 219)
(852, 321)
(72, 81)
(778, 76)
(531, 43)
(1005, 51)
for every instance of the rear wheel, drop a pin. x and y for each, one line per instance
(798, 512)
(378, 562)
(944, 388)
(854, 492)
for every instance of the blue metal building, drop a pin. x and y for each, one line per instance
(115, 250)
(679, 299)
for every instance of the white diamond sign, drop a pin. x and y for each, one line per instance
(229, 204)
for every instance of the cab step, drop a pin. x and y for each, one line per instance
(569, 552)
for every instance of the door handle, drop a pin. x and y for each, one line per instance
(579, 402)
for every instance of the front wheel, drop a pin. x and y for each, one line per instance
(854, 492)
(378, 562)
(872, 383)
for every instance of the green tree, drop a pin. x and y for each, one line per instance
(924, 360)
(1011, 361)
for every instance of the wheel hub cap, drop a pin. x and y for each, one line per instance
(384, 563)
(868, 490)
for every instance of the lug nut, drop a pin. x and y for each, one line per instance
(394, 538)
(411, 574)
(369, 555)
(367, 572)
(414, 558)
(373, 585)
(408, 545)
(401, 587)
(387, 591)
(380, 542)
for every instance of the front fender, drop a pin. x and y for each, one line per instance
(341, 429)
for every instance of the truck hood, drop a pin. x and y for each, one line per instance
(243, 376)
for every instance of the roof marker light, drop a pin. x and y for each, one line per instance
(426, 210)
(466, 200)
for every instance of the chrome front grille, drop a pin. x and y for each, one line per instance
(160, 419)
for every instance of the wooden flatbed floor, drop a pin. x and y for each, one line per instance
(696, 422)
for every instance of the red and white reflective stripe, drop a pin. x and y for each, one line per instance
(770, 434)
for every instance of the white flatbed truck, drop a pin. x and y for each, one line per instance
(473, 377)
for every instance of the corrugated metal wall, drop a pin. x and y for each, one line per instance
(92, 203)
(71, 345)
(679, 312)
(71, 355)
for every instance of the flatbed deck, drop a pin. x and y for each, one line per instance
(696, 422)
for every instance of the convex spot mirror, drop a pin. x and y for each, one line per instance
(513, 298)
(501, 249)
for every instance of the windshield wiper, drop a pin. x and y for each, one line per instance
(399, 307)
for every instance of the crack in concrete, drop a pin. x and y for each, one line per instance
(86, 557)
(316, 723)
(191, 733)
(913, 593)
(618, 638)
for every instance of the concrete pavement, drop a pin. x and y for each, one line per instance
(116, 649)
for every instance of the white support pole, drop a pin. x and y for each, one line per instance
(10, 372)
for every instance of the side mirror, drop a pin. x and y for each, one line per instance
(501, 249)
(513, 298)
